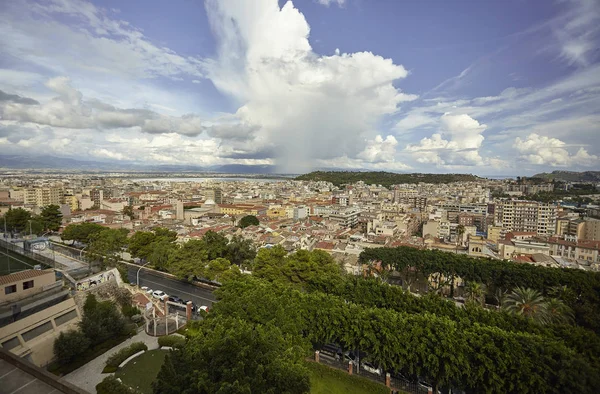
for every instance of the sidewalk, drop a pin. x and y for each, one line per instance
(89, 375)
(68, 262)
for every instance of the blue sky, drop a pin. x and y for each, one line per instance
(487, 87)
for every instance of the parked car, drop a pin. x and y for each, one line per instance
(176, 299)
(331, 350)
(159, 294)
(371, 368)
(147, 290)
(204, 308)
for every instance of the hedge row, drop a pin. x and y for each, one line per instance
(174, 341)
(116, 359)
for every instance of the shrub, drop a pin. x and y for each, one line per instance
(137, 318)
(129, 310)
(111, 385)
(69, 345)
(114, 360)
(174, 341)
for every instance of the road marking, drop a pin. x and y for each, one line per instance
(179, 291)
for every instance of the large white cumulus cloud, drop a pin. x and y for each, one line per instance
(457, 144)
(541, 150)
(311, 107)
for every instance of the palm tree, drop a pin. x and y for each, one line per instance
(475, 292)
(557, 312)
(526, 302)
(460, 230)
(499, 296)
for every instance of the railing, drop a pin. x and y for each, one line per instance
(396, 384)
(45, 261)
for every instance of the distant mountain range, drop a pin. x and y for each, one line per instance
(570, 176)
(61, 163)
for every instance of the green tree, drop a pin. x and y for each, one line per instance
(81, 232)
(249, 220)
(240, 251)
(475, 292)
(557, 312)
(215, 245)
(128, 211)
(526, 302)
(106, 246)
(101, 320)
(69, 345)
(17, 220)
(227, 355)
(189, 261)
(51, 218)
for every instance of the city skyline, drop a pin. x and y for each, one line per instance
(503, 88)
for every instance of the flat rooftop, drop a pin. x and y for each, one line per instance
(21, 377)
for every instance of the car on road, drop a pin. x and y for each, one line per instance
(147, 290)
(371, 368)
(159, 294)
(176, 299)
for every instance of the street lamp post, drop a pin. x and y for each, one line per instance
(138, 274)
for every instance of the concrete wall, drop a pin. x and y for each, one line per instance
(19, 337)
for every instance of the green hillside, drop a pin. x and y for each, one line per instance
(570, 176)
(383, 178)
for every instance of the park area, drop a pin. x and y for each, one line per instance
(326, 380)
(140, 372)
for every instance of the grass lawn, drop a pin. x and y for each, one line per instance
(141, 371)
(325, 380)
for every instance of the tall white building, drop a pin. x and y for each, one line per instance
(530, 216)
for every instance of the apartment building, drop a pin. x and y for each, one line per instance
(530, 216)
(216, 195)
(592, 229)
(42, 197)
(345, 217)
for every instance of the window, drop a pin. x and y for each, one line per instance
(11, 343)
(65, 318)
(28, 284)
(36, 332)
(10, 289)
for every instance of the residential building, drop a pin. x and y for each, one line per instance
(592, 229)
(215, 194)
(42, 197)
(520, 215)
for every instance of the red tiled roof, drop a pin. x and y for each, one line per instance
(22, 275)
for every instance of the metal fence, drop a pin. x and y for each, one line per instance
(44, 261)
(396, 384)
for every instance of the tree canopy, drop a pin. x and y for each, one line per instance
(51, 218)
(81, 232)
(229, 355)
(249, 220)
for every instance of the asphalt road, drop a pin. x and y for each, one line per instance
(172, 287)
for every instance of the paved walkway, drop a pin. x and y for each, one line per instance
(89, 375)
